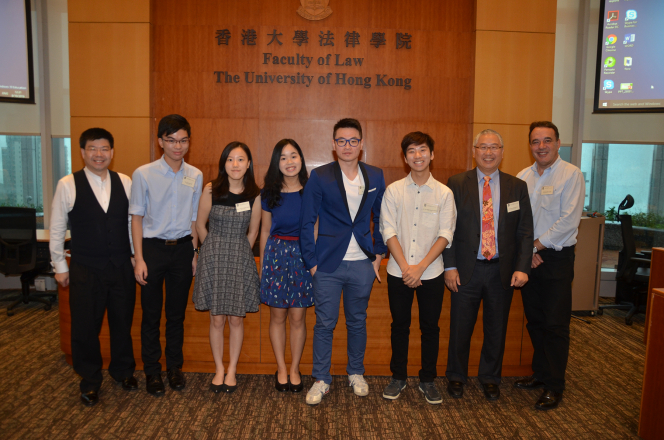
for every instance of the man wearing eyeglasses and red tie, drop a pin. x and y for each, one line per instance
(163, 205)
(345, 196)
(490, 255)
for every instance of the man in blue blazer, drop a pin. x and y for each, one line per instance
(342, 196)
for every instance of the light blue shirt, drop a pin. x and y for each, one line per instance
(494, 184)
(557, 198)
(167, 201)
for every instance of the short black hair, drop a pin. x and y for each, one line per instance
(92, 134)
(347, 123)
(171, 124)
(543, 124)
(416, 138)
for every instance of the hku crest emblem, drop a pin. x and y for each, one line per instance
(314, 9)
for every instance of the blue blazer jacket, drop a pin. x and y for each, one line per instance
(325, 199)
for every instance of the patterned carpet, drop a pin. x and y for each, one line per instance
(39, 398)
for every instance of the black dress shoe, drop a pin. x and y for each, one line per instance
(154, 385)
(296, 388)
(548, 400)
(529, 383)
(89, 398)
(455, 389)
(129, 383)
(491, 391)
(176, 379)
(280, 386)
(228, 389)
(216, 388)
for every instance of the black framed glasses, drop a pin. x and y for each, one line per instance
(341, 142)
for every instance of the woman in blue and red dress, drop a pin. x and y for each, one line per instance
(286, 285)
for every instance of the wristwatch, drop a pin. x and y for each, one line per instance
(534, 250)
(382, 256)
(197, 250)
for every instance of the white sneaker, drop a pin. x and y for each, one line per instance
(317, 391)
(360, 386)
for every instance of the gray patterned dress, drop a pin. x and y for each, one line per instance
(226, 279)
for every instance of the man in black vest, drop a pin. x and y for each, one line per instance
(95, 200)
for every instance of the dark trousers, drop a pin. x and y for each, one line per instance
(91, 293)
(430, 302)
(484, 286)
(172, 264)
(547, 301)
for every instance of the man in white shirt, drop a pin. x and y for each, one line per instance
(417, 222)
(95, 201)
(557, 192)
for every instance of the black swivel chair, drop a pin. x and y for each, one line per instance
(19, 256)
(633, 270)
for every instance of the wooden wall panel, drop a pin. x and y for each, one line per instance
(109, 69)
(109, 11)
(513, 77)
(131, 141)
(517, 15)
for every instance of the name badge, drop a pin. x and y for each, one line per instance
(514, 206)
(241, 207)
(189, 181)
(360, 190)
(546, 190)
(430, 207)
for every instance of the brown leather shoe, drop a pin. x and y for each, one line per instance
(455, 389)
(548, 400)
(529, 383)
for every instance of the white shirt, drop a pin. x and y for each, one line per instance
(557, 198)
(63, 203)
(354, 191)
(417, 216)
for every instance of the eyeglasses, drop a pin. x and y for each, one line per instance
(341, 142)
(493, 147)
(547, 142)
(171, 142)
(96, 150)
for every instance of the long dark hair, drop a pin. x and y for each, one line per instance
(220, 185)
(274, 178)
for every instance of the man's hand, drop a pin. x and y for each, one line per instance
(141, 272)
(313, 270)
(194, 263)
(62, 278)
(519, 279)
(452, 280)
(376, 267)
(411, 276)
(133, 262)
(537, 260)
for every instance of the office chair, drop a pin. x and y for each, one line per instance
(18, 254)
(633, 270)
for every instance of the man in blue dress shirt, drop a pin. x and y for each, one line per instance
(164, 204)
(344, 196)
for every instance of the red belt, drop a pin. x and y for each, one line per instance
(282, 237)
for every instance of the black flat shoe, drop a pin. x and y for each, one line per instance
(228, 389)
(455, 389)
(89, 398)
(296, 388)
(176, 379)
(216, 388)
(129, 383)
(491, 391)
(529, 383)
(548, 400)
(154, 385)
(281, 387)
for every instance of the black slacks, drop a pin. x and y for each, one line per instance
(172, 264)
(547, 301)
(484, 286)
(430, 302)
(91, 293)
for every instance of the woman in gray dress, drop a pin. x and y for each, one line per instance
(227, 282)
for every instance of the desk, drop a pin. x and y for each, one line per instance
(656, 282)
(257, 356)
(651, 423)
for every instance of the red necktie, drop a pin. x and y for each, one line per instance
(488, 232)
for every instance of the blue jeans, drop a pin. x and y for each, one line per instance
(355, 279)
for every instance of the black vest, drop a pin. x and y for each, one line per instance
(98, 237)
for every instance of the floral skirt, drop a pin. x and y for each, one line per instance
(285, 282)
